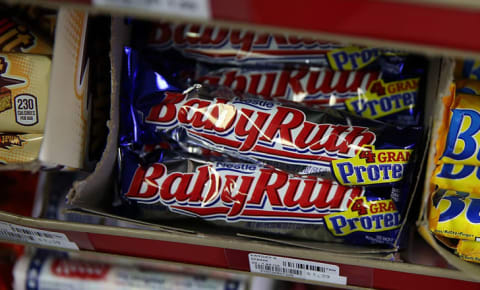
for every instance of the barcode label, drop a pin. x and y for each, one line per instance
(295, 268)
(189, 8)
(17, 233)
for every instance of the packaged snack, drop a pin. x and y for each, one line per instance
(57, 270)
(454, 214)
(24, 83)
(367, 93)
(254, 198)
(325, 143)
(467, 69)
(242, 47)
(460, 145)
(19, 148)
(17, 36)
(465, 178)
(469, 250)
(466, 86)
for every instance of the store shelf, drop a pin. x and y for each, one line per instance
(445, 27)
(232, 254)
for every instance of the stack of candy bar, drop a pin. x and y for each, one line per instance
(24, 82)
(454, 214)
(268, 133)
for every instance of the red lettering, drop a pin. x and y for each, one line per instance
(252, 133)
(263, 187)
(244, 40)
(208, 38)
(176, 185)
(279, 124)
(240, 198)
(166, 111)
(139, 178)
(287, 79)
(162, 34)
(266, 91)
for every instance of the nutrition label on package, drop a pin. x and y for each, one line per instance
(295, 268)
(17, 233)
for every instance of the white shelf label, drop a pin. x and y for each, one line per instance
(295, 268)
(17, 233)
(189, 8)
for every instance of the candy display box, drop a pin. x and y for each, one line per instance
(198, 244)
(471, 269)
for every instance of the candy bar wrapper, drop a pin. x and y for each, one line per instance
(19, 148)
(325, 143)
(469, 250)
(466, 86)
(465, 178)
(454, 214)
(24, 83)
(255, 198)
(18, 36)
(55, 270)
(462, 118)
(467, 69)
(368, 93)
(242, 47)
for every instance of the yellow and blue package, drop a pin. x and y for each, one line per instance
(461, 145)
(465, 178)
(467, 69)
(455, 214)
(469, 250)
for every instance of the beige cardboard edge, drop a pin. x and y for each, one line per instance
(445, 78)
(89, 191)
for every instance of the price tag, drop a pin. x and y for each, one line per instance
(17, 233)
(189, 8)
(295, 268)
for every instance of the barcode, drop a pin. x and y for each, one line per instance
(33, 233)
(14, 236)
(29, 238)
(303, 266)
(277, 269)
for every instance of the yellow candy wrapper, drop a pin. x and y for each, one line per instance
(464, 178)
(455, 215)
(461, 145)
(469, 250)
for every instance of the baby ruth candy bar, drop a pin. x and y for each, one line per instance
(255, 198)
(325, 143)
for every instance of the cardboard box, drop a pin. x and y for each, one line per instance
(470, 269)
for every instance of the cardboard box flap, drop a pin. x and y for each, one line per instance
(337, 248)
(91, 190)
(129, 223)
(472, 270)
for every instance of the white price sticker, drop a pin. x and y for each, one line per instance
(295, 268)
(17, 233)
(188, 8)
